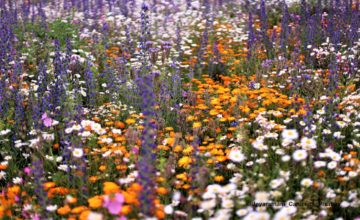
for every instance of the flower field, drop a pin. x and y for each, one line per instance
(163, 109)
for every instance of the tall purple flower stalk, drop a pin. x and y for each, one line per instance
(264, 28)
(285, 30)
(38, 174)
(145, 86)
(34, 106)
(354, 25)
(205, 37)
(124, 8)
(146, 163)
(6, 40)
(251, 38)
(145, 34)
(178, 42)
(2, 97)
(90, 86)
(58, 90)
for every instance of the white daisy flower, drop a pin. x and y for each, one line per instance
(259, 145)
(236, 155)
(262, 197)
(332, 165)
(319, 164)
(95, 216)
(290, 209)
(257, 215)
(300, 155)
(169, 209)
(241, 212)
(344, 204)
(2, 175)
(276, 183)
(307, 182)
(285, 158)
(341, 124)
(208, 205)
(17, 180)
(308, 143)
(51, 208)
(5, 132)
(78, 152)
(289, 134)
(281, 215)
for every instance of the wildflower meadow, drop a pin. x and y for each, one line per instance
(179, 109)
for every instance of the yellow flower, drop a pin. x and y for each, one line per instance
(130, 121)
(162, 147)
(182, 176)
(169, 129)
(215, 101)
(184, 161)
(188, 150)
(196, 125)
(222, 119)
(213, 112)
(177, 148)
(190, 118)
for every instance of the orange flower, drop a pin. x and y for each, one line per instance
(136, 187)
(219, 178)
(84, 215)
(2, 211)
(347, 169)
(321, 173)
(160, 214)
(49, 185)
(162, 191)
(57, 191)
(119, 124)
(110, 187)
(56, 146)
(130, 197)
(109, 123)
(71, 199)
(95, 202)
(13, 191)
(78, 210)
(353, 153)
(102, 168)
(64, 210)
(186, 186)
(93, 179)
(177, 148)
(125, 210)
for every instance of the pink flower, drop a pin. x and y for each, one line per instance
(114, 203)
(27, 170)
(135, 150)
(46, 120)
(35, 217)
